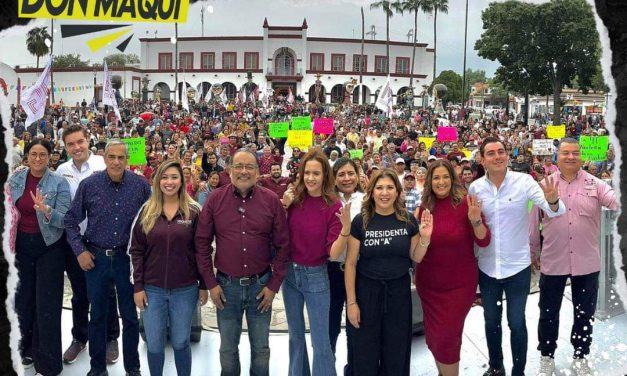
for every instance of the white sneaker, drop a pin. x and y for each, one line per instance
(581, 368)
(547, 366)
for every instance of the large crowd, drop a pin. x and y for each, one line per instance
(222, 211)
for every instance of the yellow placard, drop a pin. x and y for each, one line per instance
(107, 10)
(556, 132)
(300, 139)
(467, 153)
(427, 140)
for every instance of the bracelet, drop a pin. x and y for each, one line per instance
(351, 303)
(476, 223)
(345, 235)
(554, 203)
(422, 244)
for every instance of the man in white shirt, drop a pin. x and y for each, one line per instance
(81, 165)
(504, 265)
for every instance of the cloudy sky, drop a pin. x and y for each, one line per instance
(326, 18)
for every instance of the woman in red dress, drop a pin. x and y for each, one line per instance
(447, 276)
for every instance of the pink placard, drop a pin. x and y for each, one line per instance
(447, 134)
(324, 126)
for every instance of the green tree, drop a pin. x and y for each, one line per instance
(434, 7)
(36, 42)
(121, 59)
(413, 6)
(388, 8)
(542, 47)
(69, 61)
(453, 82)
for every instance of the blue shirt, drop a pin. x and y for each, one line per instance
(109, 208)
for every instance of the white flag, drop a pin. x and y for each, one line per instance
(184, 100)
(223, 96)
(384, 101)
(34, 99)
(290, 96)
(108, 95)
(208, 96)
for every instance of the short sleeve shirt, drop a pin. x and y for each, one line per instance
(384, 245)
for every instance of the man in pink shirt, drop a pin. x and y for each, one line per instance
(570, 249)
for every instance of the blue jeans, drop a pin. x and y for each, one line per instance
(240, 300)
(310, 286)
(177, 307)
(117, 269)
(516, 290)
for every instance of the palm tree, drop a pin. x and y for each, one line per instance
(388, 8)
(413, 6)
(436, 6)
(36, 42)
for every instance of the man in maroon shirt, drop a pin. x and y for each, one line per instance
(247, 222)
(275, 182)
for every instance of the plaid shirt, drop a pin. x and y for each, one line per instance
(413, 199)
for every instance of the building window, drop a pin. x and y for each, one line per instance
(380, 64)
(284, 63)
(208, 60)
(316, 62)
(165, 61)
(186, 60)
(402, 65)
(229, 60)
(360, 63)
(337, 63)
(251, 60)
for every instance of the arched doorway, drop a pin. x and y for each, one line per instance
(337, 94)
(164, 91)
(400, 95)
(361, 94)
(322, 96)
(229, 89)
(284, 62)
(203, 88)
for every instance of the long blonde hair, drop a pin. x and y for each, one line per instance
(154, 206)
(368, 205)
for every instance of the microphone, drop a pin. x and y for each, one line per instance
(241, 210)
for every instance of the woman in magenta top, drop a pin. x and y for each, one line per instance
(319, 229)
(447, 275)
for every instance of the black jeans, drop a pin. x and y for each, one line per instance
(39, 300)
(338, 298)
(80, 303)
(584, 290)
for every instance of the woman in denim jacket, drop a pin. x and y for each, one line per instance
(42, 198)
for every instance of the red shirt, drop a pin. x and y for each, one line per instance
(25, 205)
(245, 230)
(279, 187)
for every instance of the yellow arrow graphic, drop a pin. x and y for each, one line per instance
(99, 42)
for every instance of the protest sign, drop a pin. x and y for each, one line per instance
(594, 148)
(447, 134)
(323, 126)
(301, 123)
(300, 139)
(136, 150)
(556, 132)
(356, 153)
(543, 147)
(427, 140)
(278, 130)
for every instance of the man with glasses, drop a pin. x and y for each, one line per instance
(247, 221)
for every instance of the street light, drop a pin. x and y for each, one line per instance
(208, 9)
(175, 41)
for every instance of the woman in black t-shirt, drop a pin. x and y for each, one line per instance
(384, 238)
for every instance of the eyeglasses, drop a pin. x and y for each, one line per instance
(241, 167)
(38, 155)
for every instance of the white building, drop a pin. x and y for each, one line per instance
(282, 57)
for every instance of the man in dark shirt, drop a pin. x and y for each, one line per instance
(109, 200)
(275, 182)
(247, 221)
(521, 165)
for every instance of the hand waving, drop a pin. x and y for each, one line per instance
(550, 189)
(426, 224)
(474, 208)
(345, 216)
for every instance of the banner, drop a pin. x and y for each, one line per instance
(594, 148)
(301, 123)
(300, 139)
(447, 134)
(100, 10)
(324, 126)
(556, 132)
(543, 147)
(136, 150)
(356, 153)
(278, 130)
(108, 95)
(34, 99)
(427, 140)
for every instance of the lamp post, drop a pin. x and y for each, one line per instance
(95, 99)
(175, 41)
(209, 9)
